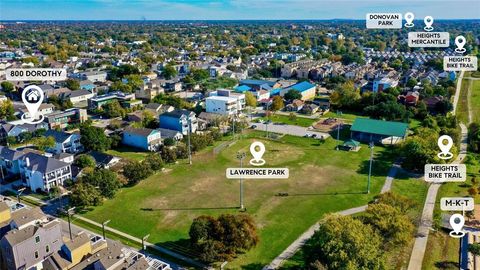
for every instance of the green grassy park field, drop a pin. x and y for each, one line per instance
(322, 180)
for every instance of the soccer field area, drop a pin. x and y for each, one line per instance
(322, 180)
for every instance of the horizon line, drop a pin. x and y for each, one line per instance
(235, 20)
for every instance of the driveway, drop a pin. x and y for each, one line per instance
(288, 129)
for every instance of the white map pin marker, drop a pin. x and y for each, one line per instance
(445, 148)
(460, 41)
(32, 97)
(257, 155)
(409, 17)
(428, 23)
(456, 222)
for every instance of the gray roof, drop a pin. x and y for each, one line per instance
(10, 154)
(44, 164)
(59, 136)
(139, 131)
(177, 113)
(15, 237)
(78, 93)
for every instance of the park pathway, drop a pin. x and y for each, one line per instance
(300, 241)
(426, 221)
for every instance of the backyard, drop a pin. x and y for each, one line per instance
(322, 180)
(286, 119)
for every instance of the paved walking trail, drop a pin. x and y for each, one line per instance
(297, 244)
(426, 221)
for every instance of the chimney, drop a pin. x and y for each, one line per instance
(27, 161)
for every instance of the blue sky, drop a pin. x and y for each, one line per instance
(230, 9)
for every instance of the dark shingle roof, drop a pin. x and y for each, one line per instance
(44, 164)
(177, 113)
(59, 136)
(139, 131)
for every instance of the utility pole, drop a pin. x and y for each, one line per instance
(338, 129)
(241, 156)
(103, 228)
(371, 145)
(189, 145)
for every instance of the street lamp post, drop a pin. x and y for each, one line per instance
(189, 145)
(103, 228)
(144, 239)
(371, 145)
(68, 211)
(338, 129)
(19, 192)
(241, 156)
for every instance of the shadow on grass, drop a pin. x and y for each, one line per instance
(189, 208)
(381, 165)
(182, 247)
(446, 265)
(253, 266)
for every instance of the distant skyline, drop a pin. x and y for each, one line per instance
(230, 9)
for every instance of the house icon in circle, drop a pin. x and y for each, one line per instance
(33, 96)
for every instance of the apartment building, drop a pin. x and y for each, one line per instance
(225, 102)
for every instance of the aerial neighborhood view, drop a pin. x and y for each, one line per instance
(239, 134)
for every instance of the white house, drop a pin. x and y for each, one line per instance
(225, 102)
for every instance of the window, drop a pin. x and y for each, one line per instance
(36, 254)
(37, 239)
(47, 249)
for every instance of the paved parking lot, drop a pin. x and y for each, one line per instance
(289, 129)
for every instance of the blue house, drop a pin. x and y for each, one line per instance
(179, 120)
(142, 138)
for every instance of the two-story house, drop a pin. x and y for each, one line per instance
(64, 142)
(143, 138)
(28, 247)
(179, 120)
(225, 102)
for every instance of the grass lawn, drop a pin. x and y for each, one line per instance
(475, 101)
(285, 119)
(462, 106)
(128, 153)
(348, 117)
(443, 251)
(322, 180)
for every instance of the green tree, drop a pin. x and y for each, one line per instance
(7, 111)
(345, 96)
(154, 161)
(43, 143)
(113, 109)
(169, 72)
(85, 195)
(277, 103)
(292, 94)
(72, 84)
(474, 248)
(106, 181)
(250, 99)
(94, 138)
(223, 237)
(393, 225)
(343, 242)
(135, 171)
(84, 161)
(7, 87)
